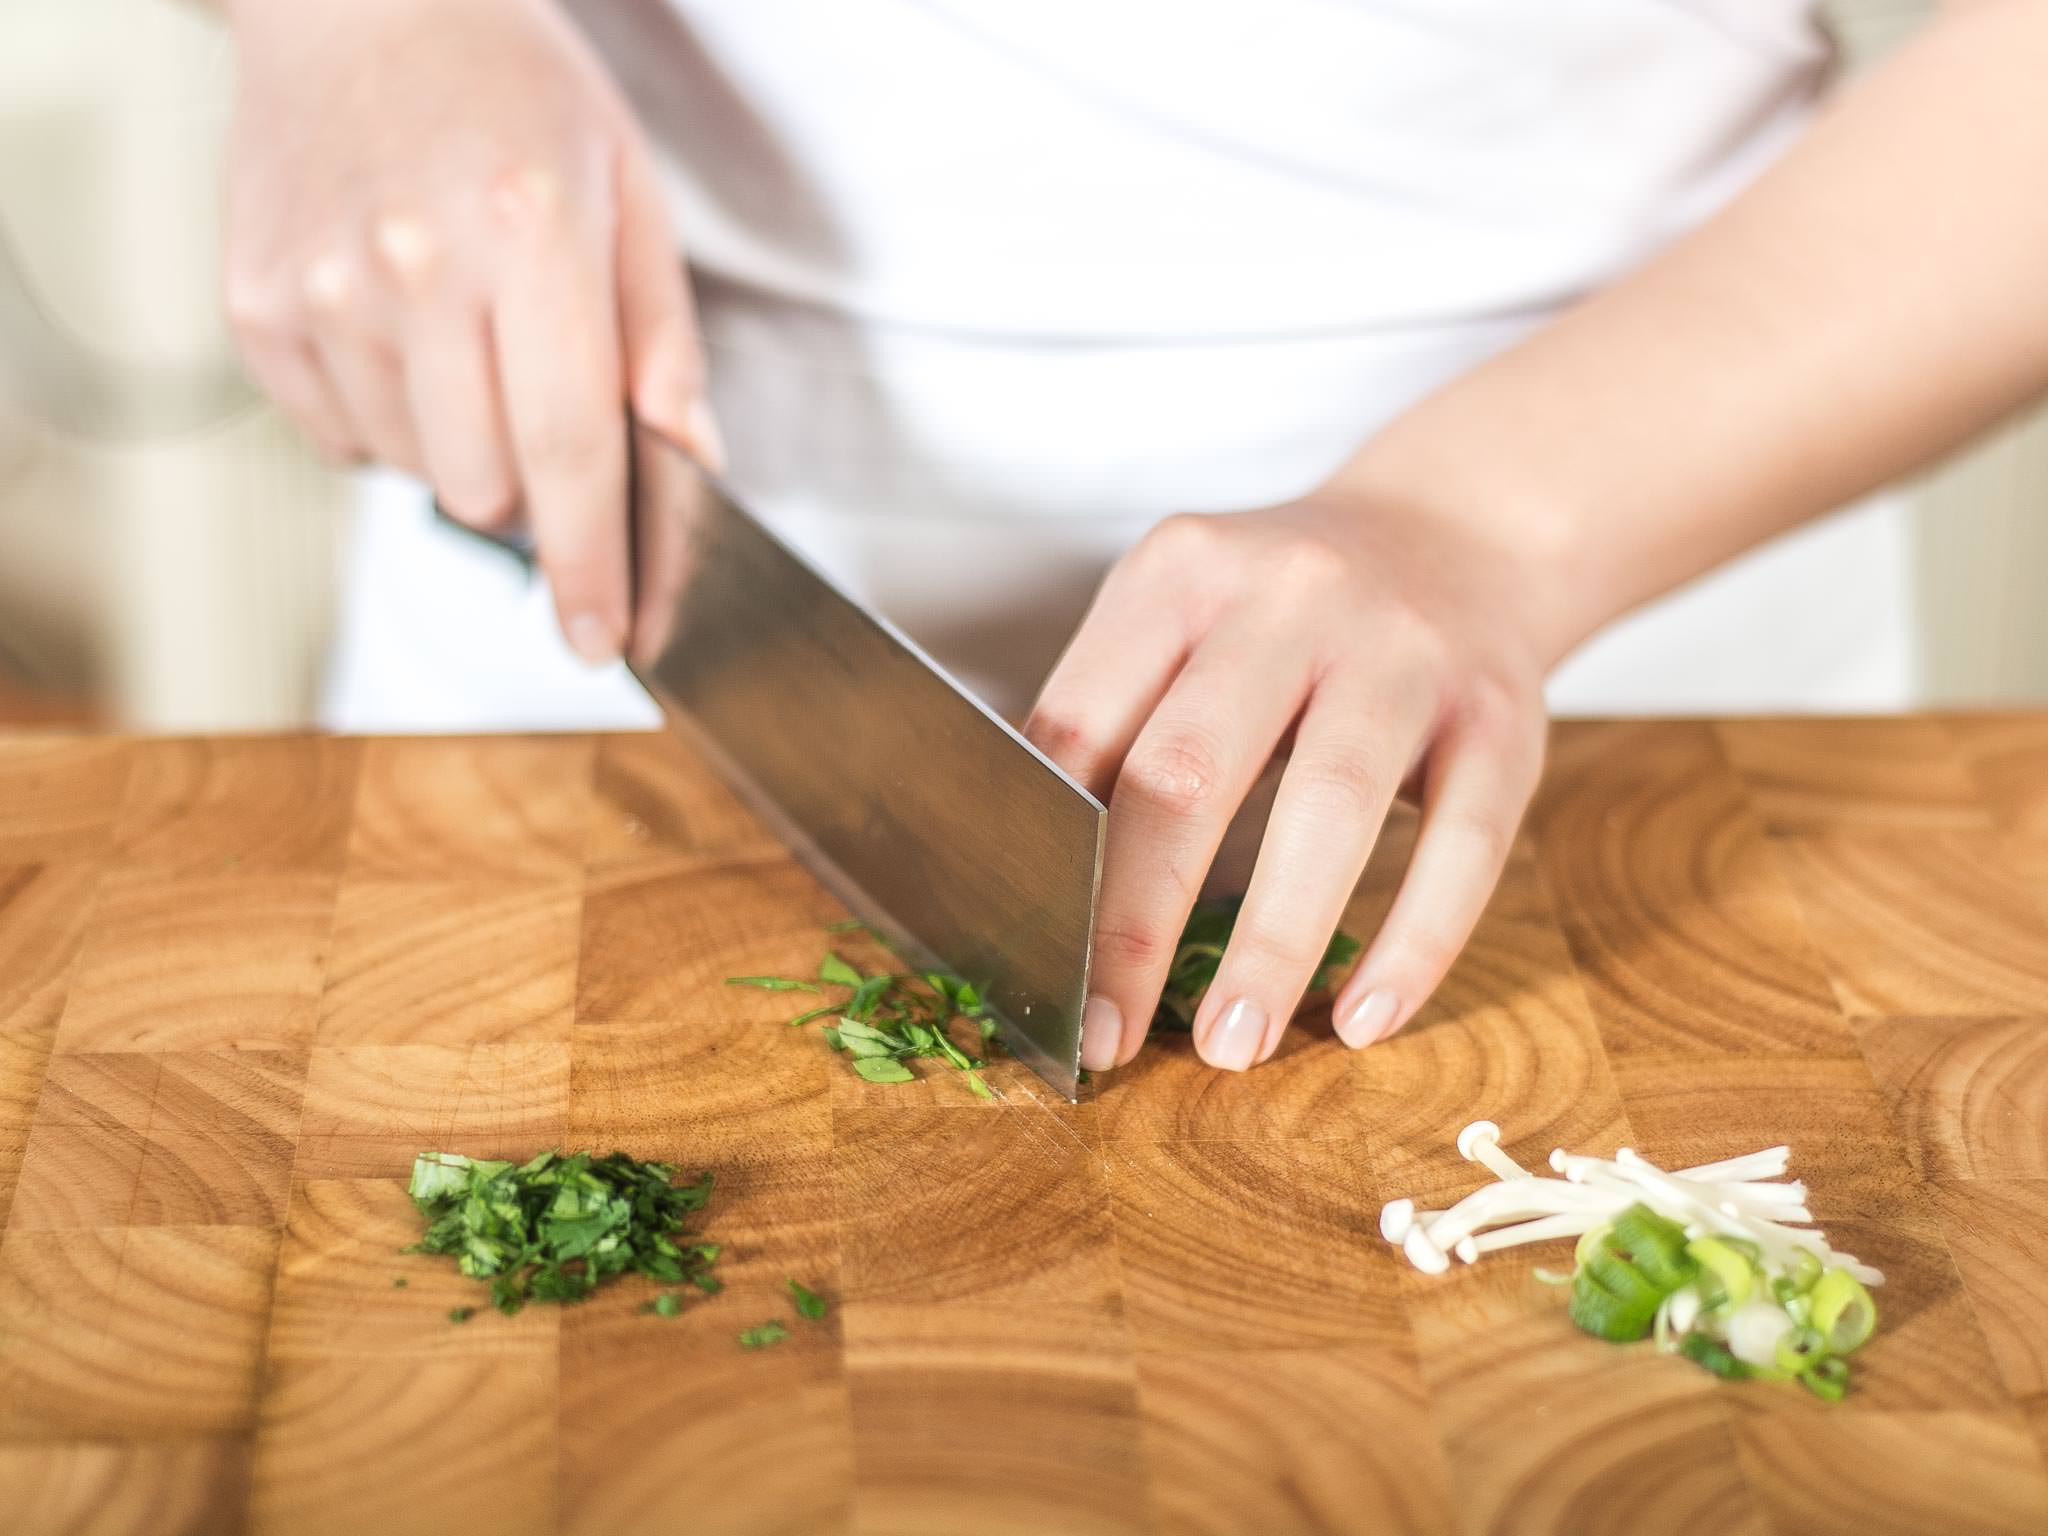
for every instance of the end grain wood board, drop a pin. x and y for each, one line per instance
(243, 982)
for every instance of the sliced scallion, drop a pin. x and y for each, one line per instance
(1799, 1350)
(1842, 1310)
(1828, 1379)
(1727, 1276)
(1703, 1349)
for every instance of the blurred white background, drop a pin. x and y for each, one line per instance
(168, 551)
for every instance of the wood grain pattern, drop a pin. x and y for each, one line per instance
(243, 982)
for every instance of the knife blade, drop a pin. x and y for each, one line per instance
(919, 807)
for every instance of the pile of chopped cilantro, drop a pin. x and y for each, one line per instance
(559, 1226)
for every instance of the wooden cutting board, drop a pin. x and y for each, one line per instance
(242, 982)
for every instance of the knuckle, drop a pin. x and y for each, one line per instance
(1061, 737)
(563, 442)
(1277, 949)
(486, 509)
(1489, 837)
(329, 282)
(1309, 564)
(1184, 535)
(407, 247)
(531, 194)
(1178, 773)
(1129, 943)
(1340, 786)
(254, 305)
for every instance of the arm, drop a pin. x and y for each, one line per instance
(1874, 300)
(1871, 302)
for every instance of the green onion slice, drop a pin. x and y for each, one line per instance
(1611, 1301)
(1841, 1309)
(1588, 1241)
(1804, 1273)
(1726, 1276)
(1800, 1350)
(1655, 1245)
(1704, 1349)
(1828, 1378)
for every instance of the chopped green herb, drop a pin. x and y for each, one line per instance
(837, 971)
(762, 1335)
(891, 1018)
(461, 1314)
(400, 1283)
(808, 1302)
(884, 1069)
(771, 983)
(558, 1226)
(707, 1282)
(1200, 951)
(667, 1304)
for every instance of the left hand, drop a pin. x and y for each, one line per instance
(1385, 643)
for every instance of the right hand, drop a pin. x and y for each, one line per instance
(447, 251)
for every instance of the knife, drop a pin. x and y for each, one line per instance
(927, 814)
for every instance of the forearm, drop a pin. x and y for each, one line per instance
(1871, 302)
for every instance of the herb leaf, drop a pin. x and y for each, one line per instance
(771, 983)
(892, 1017)
(667, 1304)
(808, 1302)
(883, 1069)
(761, 1335)
(838, 972)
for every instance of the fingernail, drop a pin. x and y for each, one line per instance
(1234, 1039)
(1373, 1017)
(700, 428)
(589, 639)
(1102, 1034)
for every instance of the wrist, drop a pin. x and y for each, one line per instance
(1523, 548)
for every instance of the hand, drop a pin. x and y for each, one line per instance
(1384, 643)
(447, 251)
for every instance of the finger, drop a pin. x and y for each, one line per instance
(556, 326)
(362, 370)
(667, 496)
(451, 384)
(1126, 653)
(1476, 785)
(1186, 774)
(289, 372)
(664, 365)
(1351, 749)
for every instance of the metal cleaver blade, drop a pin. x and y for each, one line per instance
(915, 804)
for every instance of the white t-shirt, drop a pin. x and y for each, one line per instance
(990, 288)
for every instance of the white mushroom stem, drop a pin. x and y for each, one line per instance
(1767, 1164)
(1480, 1142)
(1424, 1254)
(1511, 1200)
(1544, 1228)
